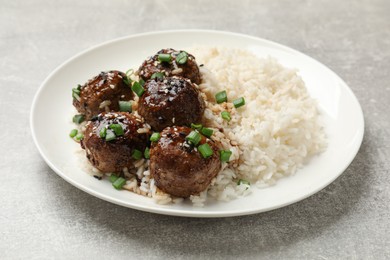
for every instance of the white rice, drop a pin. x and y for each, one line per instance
(277, 129)
(271, 136)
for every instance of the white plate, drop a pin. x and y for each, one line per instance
(52, 107)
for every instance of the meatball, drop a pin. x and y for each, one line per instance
(102, 94)
(110, 149)
(177, 166)
(170, 101)
(189, 69)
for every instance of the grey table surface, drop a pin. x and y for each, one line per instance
(44, 217)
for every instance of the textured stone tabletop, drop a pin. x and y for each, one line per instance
(44, 217)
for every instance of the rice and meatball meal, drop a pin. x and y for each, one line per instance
(174, 130)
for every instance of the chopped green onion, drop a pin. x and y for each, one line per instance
(182, 57)
(142, 82)
(147, 153)
(158, 75)
(79, 137)
(110, 135)
(221, 97)
(194, 137)
(78, 87)
(76, 96)
(119, 183)
(137, 154)
(125, 106)
(164, 57)
(225, 155)
(129, 72)
(239, 102)
(78, 119)
(226, 115)
(137, 88)
(117, 129)
(205, 150)
(196, 126)
(127, 80)
(76, 93)
(73, 133)
(113, 178)
(155, 137)
(103, 132)
(207, 131)
(242, 181)
(75, 90)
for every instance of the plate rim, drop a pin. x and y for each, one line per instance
(182, 212)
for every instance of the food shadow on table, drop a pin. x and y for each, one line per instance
(264, 232)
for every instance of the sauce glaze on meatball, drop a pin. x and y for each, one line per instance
(102, 94)
(178, 168)
(171, 101)
(112, 156)
(188, 70)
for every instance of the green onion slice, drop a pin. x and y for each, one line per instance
(137, 154)
(127, 80)
(155, 137)
(239, 102)
(225, 155)
(142, 82)
(137, 88)
(76, 93)
(194, 137)
(79, 137)
(182, 57)
(221, 97)
(73, 133)
(164, 57)
(205, 150)
(75, 90)
(78, 119)
(118, 130)
(110, 135)
(119, 183)
(129, 72)
(226, 115)
(103, 132)
(242, 181)
(125, 106)
(158, 75)
(207, 131)
(113, 178)
(147, 153)
(196, 126)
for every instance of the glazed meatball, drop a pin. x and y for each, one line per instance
(189, 69)
(102, 94)
(177, 166)
(170, 101)
(110, 148)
